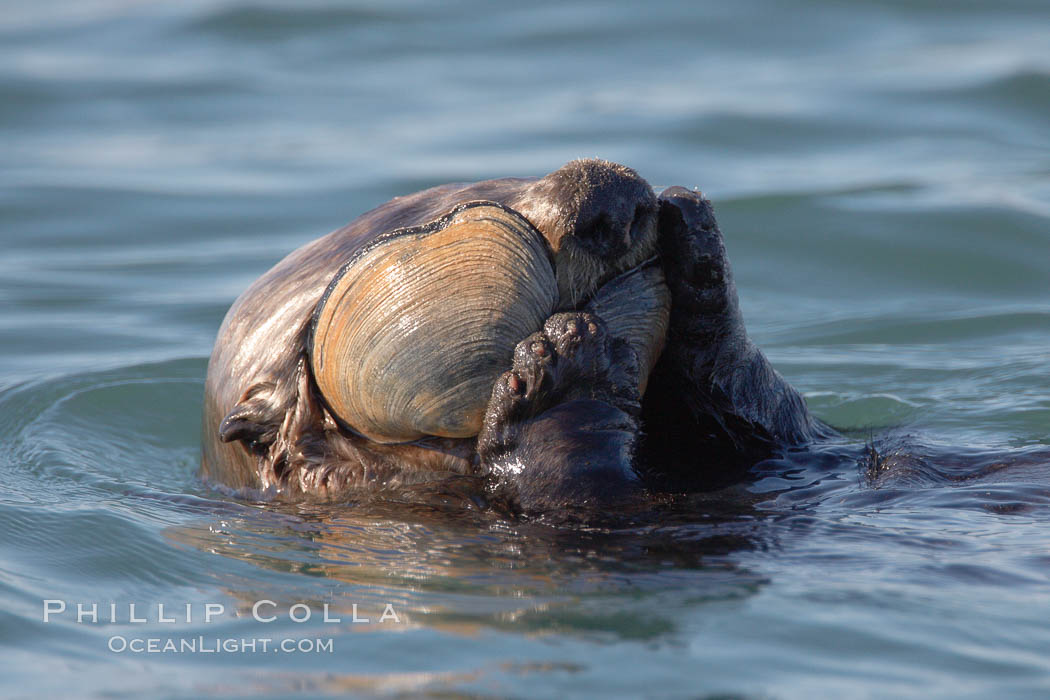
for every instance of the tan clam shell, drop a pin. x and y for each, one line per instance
(636, 306)
(413, 332)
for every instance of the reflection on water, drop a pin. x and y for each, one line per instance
(461, 571)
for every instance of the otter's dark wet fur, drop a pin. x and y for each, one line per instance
(561, 428)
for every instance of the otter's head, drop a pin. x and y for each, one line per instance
(599, 219)
(414, 329)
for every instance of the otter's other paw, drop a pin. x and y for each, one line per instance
(693, 255)
(714, 405)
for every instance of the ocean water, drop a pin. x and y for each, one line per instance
(881, 170)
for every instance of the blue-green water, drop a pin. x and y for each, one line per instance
(881, 170)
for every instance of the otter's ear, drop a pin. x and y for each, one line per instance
(254, 420)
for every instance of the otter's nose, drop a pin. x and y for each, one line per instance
(603, 207)
(614, 206)
(610, 231)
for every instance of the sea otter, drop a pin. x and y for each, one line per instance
(565, 340)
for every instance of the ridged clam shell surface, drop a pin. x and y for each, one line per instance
(412, 334)
(636, 306)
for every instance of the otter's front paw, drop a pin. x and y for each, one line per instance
(570, 359)
(560, 425)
